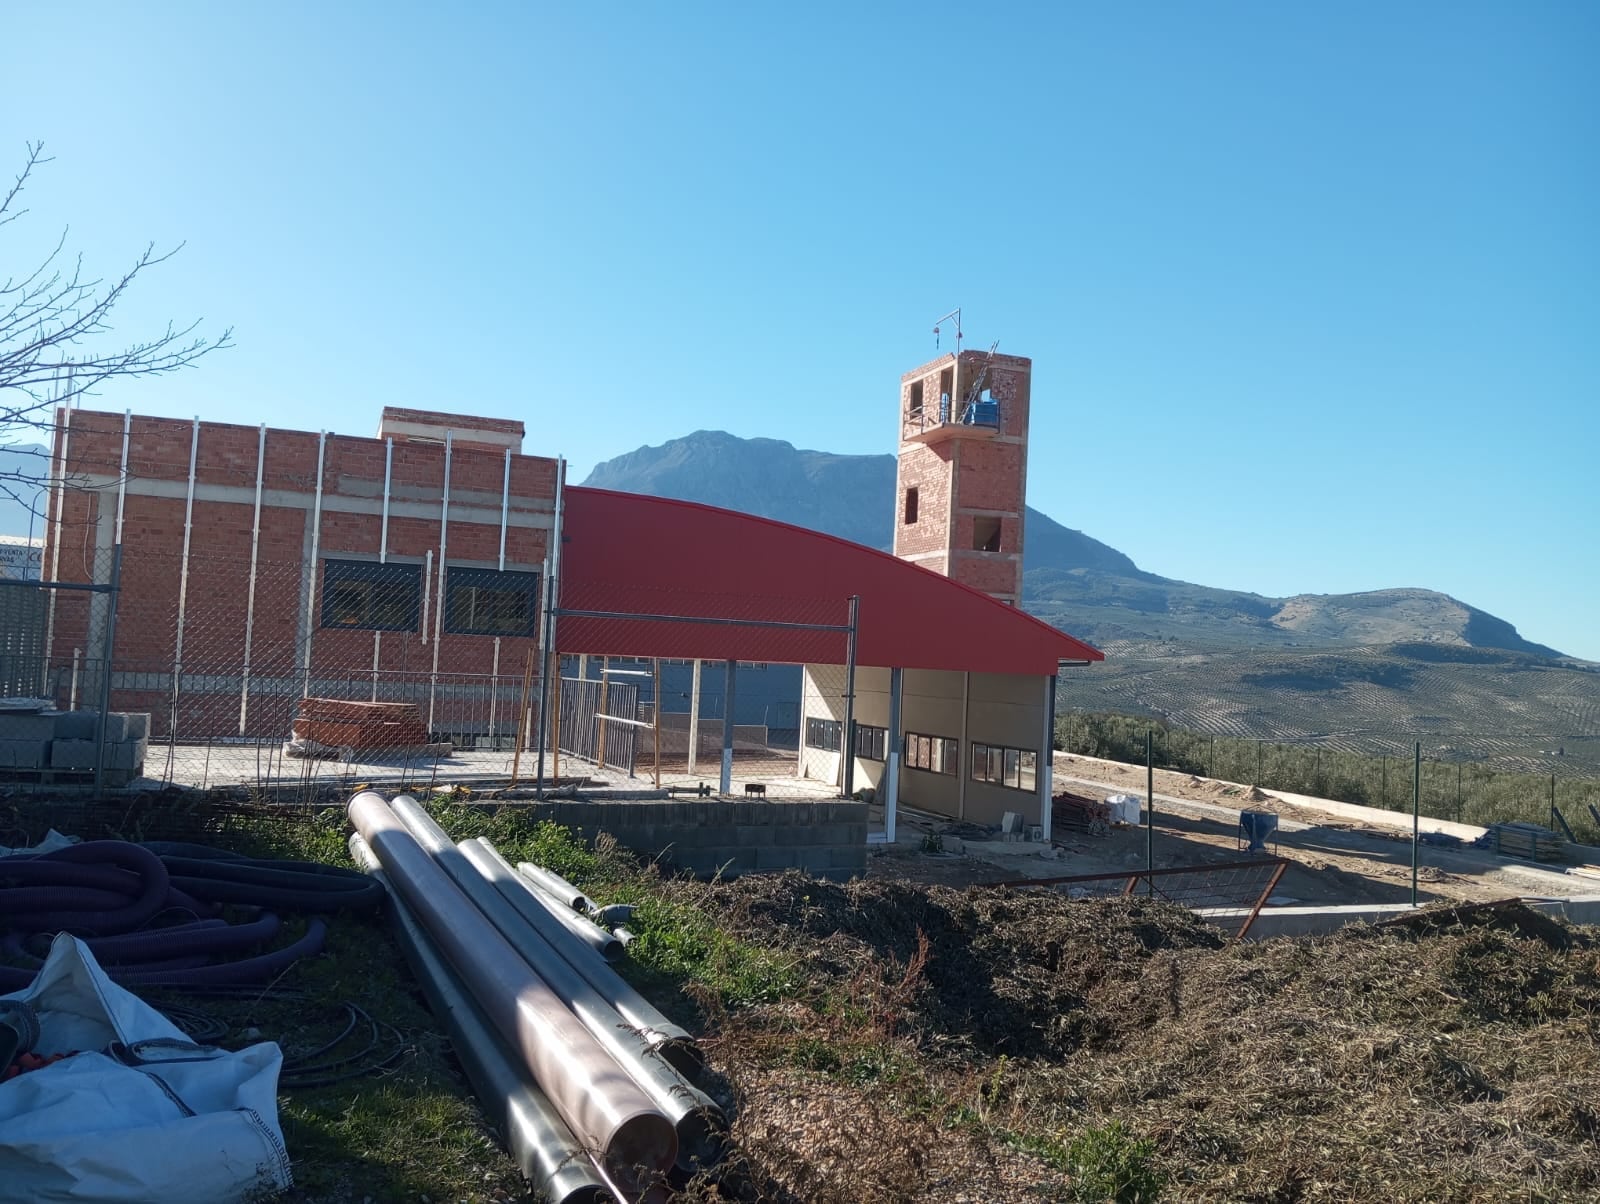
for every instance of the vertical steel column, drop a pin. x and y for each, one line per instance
(550, 666)
(605, 708)
(57, 509)
(545, 657)
(383, 551)
(1046, 769)
(1416, 814)
(655, 680)
(106, 651)
(122, 472)
(439, 602)
(1149, 806)
(694, 716)
(315, 566)
(891, 769)
(183, 580)
(848, 751)
(250, 597)
(965, 754)
(725, 780)
(494, 674)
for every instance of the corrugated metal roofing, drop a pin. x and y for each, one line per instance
(625, 552)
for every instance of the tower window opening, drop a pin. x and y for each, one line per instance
(915, 409)
(985, 534)
(911, 506)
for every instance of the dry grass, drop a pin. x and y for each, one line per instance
(1453, 1064)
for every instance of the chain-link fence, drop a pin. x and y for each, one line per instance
(1448, 786)
(255, 670)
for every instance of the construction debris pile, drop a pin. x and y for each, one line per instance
(339, 727)
(1449, 1057)
(591, 1085)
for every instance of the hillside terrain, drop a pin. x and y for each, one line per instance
(1070, 578)
(1364, 672)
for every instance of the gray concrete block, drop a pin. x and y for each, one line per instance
(125, 755)
(27, 727)
(24, 754)
(72, 754)
(789, 837)
(84, 725)
(776, 858)
(755, 835)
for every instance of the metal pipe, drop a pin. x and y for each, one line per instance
(848, 785)
(474, 866)
(183, 569)
(250, 596)
(672, 1041)
(315, 567)
(694, 716)
(602, 1106)
(383, 553)
(699, 1123)
(545, 1150)
(122, 473)
(1045, 769)
(557, 887)
(729, 684)
(439, 605)
(56, 509)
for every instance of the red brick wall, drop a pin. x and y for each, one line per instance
(218, 591)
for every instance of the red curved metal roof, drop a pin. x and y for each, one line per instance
(626, 552)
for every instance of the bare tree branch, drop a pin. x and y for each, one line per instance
(53, 328)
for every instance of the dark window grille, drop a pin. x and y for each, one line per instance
(872, 743)
(490, 602)
(825, 734)
(364, 595)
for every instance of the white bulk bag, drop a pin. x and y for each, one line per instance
(182, 1124)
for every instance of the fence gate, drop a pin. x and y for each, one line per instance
(22, 621)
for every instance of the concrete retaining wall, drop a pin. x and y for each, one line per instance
(705, 837)
(1320, 921)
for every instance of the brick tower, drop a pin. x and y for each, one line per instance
(961, 492)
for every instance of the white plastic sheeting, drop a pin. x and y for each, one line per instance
(140, 1114)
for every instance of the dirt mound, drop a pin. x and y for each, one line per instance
(1006, 971)
(1451, 1057)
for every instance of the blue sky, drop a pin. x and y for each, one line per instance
(1311, 291)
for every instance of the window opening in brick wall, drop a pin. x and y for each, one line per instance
(490, 602)
(911, 506)
(872, 743)
(367, 596)
(825, 734)
(947, 388)
(985, 534)
(1015, 768)
(915, 408)
(933, 754)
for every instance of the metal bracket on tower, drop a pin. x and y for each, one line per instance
(956, 314)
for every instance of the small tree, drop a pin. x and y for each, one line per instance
(53, 347)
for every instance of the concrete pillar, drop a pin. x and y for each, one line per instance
(694, 717)
(1047, 758)
(891, 768)
(726, 786)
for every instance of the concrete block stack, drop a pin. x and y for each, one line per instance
(46, 746)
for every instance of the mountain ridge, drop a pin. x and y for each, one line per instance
(1070, 578)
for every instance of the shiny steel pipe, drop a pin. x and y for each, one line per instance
(603, 1107)
(545, 1150)
(644, 1053)
(575, 921)
(557, 887)
(698, 1121)
(673, 1041)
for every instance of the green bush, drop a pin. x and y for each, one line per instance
(1107, 1163)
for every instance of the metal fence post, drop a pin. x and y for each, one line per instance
(1416, 812)
(107, 650)
(1149, 806)
(849, 750)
